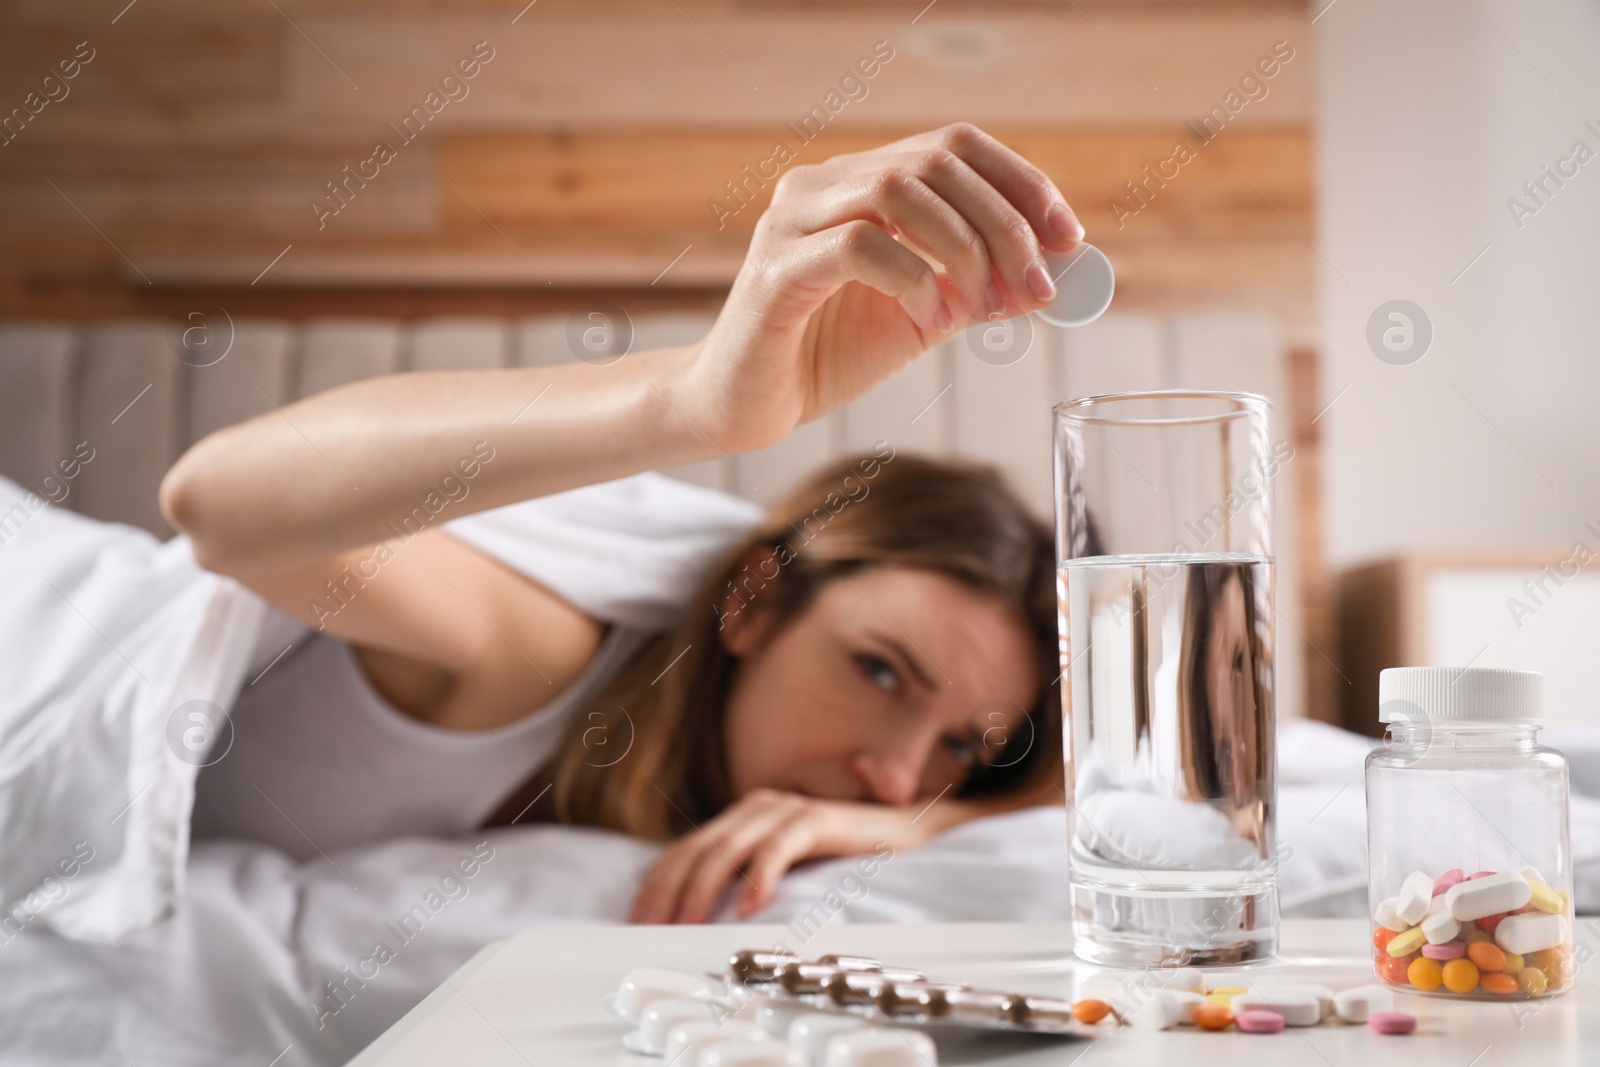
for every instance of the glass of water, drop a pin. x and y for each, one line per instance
(1165, 586)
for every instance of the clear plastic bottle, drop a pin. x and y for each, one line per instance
(1467, 811)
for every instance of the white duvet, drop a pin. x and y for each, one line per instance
(234, 954)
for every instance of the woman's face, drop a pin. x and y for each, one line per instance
(890, 687)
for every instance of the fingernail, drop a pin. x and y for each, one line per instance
(1038, 278)
(943, 321)
(992, 301)
(1063, 223)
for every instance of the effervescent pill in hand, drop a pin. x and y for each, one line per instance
(882, 1047)
(1085, 284)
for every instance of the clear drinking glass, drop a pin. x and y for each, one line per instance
(1165, 586)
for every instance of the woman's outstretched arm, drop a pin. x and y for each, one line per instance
(860, 265)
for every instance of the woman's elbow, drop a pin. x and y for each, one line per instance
(188, 501)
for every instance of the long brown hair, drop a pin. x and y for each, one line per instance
(667, 706)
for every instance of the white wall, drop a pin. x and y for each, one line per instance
(1433, 113)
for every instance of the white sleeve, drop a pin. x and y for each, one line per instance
(631, 551)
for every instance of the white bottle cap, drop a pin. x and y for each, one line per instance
(1460, 694)
(1085, 283)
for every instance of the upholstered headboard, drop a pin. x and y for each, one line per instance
(120, 388)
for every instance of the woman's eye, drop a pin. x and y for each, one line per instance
(963, 751)
(879, 672)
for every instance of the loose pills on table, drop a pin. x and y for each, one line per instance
(1392, 1022)
(1188, 979)
(882, 1047)
(1090, 1011)
(1258, 1021)
(1295, 1007)
(645, 984)
(1416, 892)
(1478, 897)
(1530, 932)
(1358, 1004)
(1213, 1016)
(1159, 1011)
(1184, 1005)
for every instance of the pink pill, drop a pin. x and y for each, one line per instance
(1392, 1022)
(1258, 1021)
(1447, 951)
(1447, 879)
(1480, 874)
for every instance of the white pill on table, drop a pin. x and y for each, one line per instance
(1111, 988)
(1530, 932)
(645, 984)
(1297, 1008)
(1323, 994)
(812, 1031)
(1184, 1003)
(882, 1047)
(1158, 1011)
(1491, 895)
(1387, 915)
(661, 1016)
(751, 1052)
(686, 1040)
(1416, 892)
(1439, 926)
(1355, 1005)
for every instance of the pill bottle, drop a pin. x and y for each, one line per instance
(1470, 867)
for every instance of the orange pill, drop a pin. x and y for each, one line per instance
(1459, 975)
(1090, 1011)
(1216, 1016)
(1499, 982)
(1382, 936)
(1487, 955)
(1427, 975)
(1393, 970)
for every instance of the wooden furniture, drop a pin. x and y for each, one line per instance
(1527, 609)
(536, 999)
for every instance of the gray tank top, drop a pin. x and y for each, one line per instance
(320, 761)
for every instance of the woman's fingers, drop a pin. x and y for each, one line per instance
(792, 842)
(728, 849)
(1024, 185)
(657, 898)
(862, 252)
(899, 201)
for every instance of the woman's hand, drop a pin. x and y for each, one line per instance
(763, 834)
(861, 264)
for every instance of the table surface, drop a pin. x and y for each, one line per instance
(536, 999)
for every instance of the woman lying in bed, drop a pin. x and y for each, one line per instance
(874, 665)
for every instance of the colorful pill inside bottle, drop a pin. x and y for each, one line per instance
(1470, 888)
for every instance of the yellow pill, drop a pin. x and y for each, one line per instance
(1514, 964)
(1459, 975)
(1407, 943)
(1230, 990)
(1425, 974)
(1532, 981)
(1546, 899)
(1221, 999)
(1475, 935)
